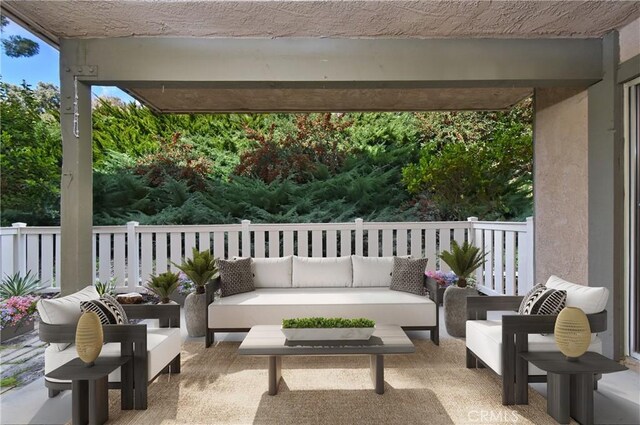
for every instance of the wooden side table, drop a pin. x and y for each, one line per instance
(90, 387)
(570, 384)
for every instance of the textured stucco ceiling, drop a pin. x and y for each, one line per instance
(336, 18)
(334, 100)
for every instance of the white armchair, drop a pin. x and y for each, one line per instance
(153, 350)
(496, 343)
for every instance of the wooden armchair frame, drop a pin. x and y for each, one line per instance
(515, 340)
(133, 343)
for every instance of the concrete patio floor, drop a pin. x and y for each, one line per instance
(617, 400)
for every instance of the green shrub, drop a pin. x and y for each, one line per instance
(323, 322)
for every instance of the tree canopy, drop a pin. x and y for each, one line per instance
(220, 168)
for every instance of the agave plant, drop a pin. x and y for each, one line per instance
(163, 285)
(463, 260)
(200, 268)
(17, 285)
(108, 287)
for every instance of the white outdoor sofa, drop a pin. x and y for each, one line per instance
(497, 343)
(350, 287)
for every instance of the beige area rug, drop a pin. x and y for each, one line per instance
(432, 386)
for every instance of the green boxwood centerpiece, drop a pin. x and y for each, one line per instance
(323, 322)
(327, 329)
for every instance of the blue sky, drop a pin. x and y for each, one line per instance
(41, 67)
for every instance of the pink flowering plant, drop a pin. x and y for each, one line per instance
(15, 311)
(444, 279)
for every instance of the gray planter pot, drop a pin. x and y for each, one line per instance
(455, 309)
(194, 314)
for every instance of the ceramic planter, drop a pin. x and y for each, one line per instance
(195, 314)
(455, 309)
(328, 334)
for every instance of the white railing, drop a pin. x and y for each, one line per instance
(131, 253)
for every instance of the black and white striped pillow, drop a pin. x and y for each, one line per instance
(545, 301)
(108, 310)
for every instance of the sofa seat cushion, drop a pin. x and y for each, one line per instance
(270, 306)
(163, 345)
(484, 338)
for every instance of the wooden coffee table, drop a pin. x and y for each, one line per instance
(268, 340)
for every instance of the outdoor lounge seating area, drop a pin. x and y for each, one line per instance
(320, 212)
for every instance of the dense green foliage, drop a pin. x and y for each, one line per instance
(31, 153)
(198, 169)
(323, 322)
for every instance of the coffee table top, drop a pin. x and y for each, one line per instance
(556, 362)
(268, 340)
(76, 370)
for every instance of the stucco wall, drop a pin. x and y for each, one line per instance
(560, 184)
(630, 40)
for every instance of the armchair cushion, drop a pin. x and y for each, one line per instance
(65, 310)
(163, 345)
(588, 298)
(484, 338)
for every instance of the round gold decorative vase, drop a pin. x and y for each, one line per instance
(572, 332)
(89, 337)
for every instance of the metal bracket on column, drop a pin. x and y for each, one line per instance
(71, 75)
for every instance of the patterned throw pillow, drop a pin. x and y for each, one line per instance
(108, 310)
(235, 276)
(527, 295)
(545, 301)
(408, 275)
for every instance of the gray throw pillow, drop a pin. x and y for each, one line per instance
(408, 275)
(235, 276)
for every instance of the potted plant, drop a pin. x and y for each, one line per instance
(443, 281)
(200, 269)
(17, 315)
(463, 261)
(163, 285)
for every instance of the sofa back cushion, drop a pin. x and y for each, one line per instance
(371, 271)
(587, 298)
(65, 310)
(271, 272)
(309, 272)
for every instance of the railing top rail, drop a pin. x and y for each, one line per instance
(501, 225)
(8, 231)
(417, 225)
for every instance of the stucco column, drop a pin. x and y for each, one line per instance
(76, 204)
(561, 184)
